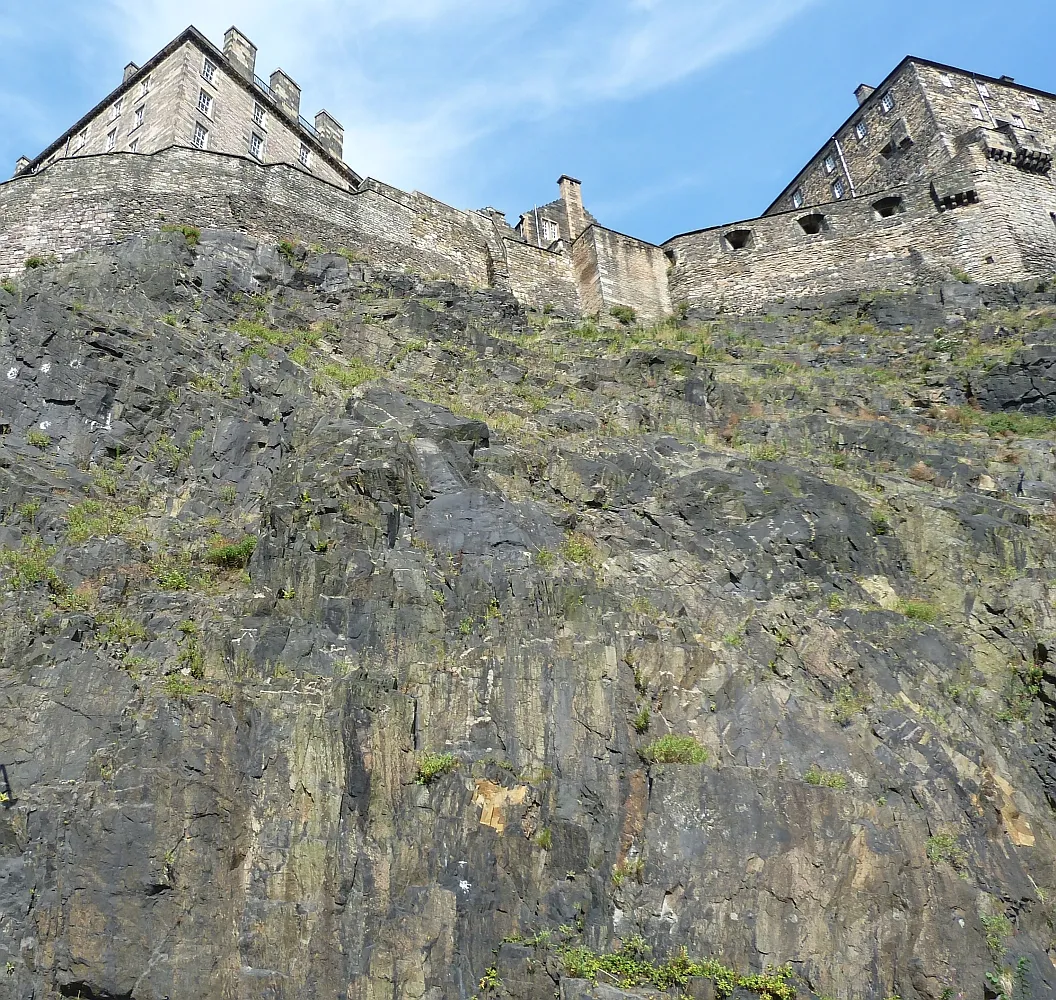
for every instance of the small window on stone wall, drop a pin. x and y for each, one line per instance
(829, 163)
(946, 80)
(887, 103)
(797, 198)
(885, 208)
(814, 224)
(838, 189)
(739, 239)
(861, 130)
(551, 231)
(1033, 102)
(977, 112)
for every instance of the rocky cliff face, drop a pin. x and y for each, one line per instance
(362, 636)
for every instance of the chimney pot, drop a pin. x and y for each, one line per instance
(572, 196)
(130, 71)
(287, 93)
(864, 92)
(240, 52)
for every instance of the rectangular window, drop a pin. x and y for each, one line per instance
(946, 80)
(260, 116)
(887, 103)
(133, 146)
(111, 139)
(139, 115)
(797, 198)
(144, 87)
(256, 146)
(306, 156)
(1034, 103)
(977, 112)
(861, 130)
(115, 110)
(984, 90)
(1017, 121)
(82, 140)
(205, 103)
(201, 136)
(551, 232)
(208, 70)
(837, 187)
(829, 163)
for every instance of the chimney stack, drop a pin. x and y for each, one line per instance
(331, 133)
(864, 92)
(287, 93)
(572, 196)
(240, 52)
(21, 165)
(130, 71)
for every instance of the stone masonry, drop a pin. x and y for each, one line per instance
(937, 172)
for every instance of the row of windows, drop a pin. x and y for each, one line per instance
(814, 224)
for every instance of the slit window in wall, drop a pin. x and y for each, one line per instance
(256, 146)
(111, 140)
(886, 208)
(861, 130)
(739, 239)
(305, 156)
(813, 224)
(797, 198)
(205, 103)
(208, 70)
(260, 116)
(887, 102)
(201, 136)
(977, 113)
(838, 189)
(1052, 215)
(829, 163)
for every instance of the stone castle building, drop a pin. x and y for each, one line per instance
(938, 171)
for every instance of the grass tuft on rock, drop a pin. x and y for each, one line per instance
(232, 555)
(433, 766)
(674, 749)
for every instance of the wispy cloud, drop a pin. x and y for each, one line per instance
(421, 84)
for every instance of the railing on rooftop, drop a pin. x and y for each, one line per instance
(308, 127)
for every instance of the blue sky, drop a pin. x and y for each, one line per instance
(676, 114)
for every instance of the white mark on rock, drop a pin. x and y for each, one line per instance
(12, 374)
(464, 885)
(462, 864)
(45, 425)
(46, 367)
(75, 363)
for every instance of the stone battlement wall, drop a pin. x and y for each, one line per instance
(79, 204)
(856, 248)
(614, 269)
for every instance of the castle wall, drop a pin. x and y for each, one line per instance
(857, 250)
(613, 269)
(541, 278)
(81, 203)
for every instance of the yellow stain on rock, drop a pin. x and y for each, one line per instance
(493, 800)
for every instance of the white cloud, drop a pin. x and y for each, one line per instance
(419, 83)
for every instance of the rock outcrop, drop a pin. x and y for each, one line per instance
(363, 636)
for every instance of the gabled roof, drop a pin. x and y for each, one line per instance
(884, 84)
(193, 35)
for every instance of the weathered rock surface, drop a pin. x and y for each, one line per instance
(537, 549)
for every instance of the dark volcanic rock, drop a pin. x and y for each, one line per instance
(273, 535)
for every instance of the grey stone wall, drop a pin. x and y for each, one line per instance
(86, 202)
(613, 269)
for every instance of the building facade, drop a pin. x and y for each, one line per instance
(193, 94)
(938, 172)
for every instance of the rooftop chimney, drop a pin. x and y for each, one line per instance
(240, 52)
(864, 92)
(572, 196)
(130, 71)
(1008, 79)
(21, 165)
(287, 93)
(331, 133)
